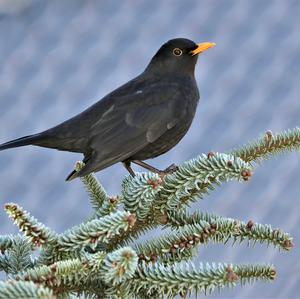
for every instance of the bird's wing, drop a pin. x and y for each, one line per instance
(135, 120)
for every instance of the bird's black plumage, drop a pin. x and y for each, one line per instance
(142, 119)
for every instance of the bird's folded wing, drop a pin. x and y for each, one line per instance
(135, 120)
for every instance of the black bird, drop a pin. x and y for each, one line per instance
(142, 119)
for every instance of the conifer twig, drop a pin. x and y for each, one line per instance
(194, 178)
(119, 265)
(24, 289)
(184, 278)
(18, 257)
(6, 241)
(95, 231)
(236, 229)
(35, 231)
(140, 192)
(93, 259)
(177, 244)
(95, 190)
(268, 145)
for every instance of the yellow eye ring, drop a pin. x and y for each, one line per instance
(177, 52)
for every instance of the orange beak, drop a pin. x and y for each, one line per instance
(202, 47)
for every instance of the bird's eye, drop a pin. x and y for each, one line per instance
(177, 52)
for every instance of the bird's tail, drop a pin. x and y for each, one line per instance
(26, 140)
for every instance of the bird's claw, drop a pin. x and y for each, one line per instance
(172, 168)
(169, 170)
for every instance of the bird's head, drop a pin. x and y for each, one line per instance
(178, 55)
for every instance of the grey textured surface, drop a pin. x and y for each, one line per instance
(58, 57)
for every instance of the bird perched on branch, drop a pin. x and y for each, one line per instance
(140, 120)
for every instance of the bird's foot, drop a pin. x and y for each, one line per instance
(172, 168)
(162, 173)
(169, 170)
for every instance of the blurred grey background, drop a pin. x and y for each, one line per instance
(58, 57)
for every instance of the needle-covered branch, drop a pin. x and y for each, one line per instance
(36, 232)
(18, 257)
(6, 241)
(60, 274)
(94, 189)
(71, 275)
(119, 266)
(95, 231)
(24, 289)
(237, 230)
(140, 192)
(77, 274)
(178, 244)
(184, 278)
(195, 177)
(93, 259)
(270, 144)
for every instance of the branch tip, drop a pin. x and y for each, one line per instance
(268, 136)
(210, 155)
(246, 174)
(249, 225)
(131, 219)
(288, 244)
(230, 275)
(154, 183)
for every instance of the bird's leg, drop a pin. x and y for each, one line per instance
(146, 166)
(172, 168)
(128, 167)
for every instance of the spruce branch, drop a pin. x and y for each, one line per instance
(174, 246)
(74, 275)
(184, 278)
(237, 230)
(24, 289)
(119, 266)
(178, 244)
(195, 177)
(139, 228)
(269, 144)
(36, 232)
(52, 254)
(16, 254)
(71, 275)
(62, 275)
(109, 206)
(95, 231)
(93, 259)
(139, 193)
(18, 257)
(95, 190)
(6, 241)
(256, 232)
